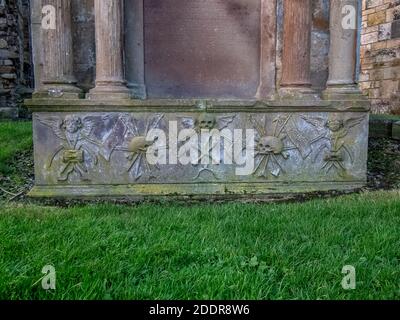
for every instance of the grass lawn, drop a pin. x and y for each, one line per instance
(200, 251)
(14, 137)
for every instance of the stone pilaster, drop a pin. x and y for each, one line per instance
(296, 55)
(342, 53)
(134, 48)
(58, 80)
(110, 80)
(267, 86)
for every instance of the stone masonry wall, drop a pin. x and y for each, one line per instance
(15, 58)
(380, 51)
(380, 54)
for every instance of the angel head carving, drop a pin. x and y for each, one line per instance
(75, 133)
(331, 140)
(72, 128)
(72, 124)
(334, 124)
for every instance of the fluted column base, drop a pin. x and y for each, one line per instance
(110, 92)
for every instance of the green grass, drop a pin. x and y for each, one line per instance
(391, 117)
(14, 137)
(230, 251)
(203, 251)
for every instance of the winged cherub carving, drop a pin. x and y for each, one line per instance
(75, 132)
(332, 133)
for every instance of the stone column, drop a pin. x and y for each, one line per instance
(267, 86)
(110, 80)
(342, 53)
(134, 48)
(296, 55)
(58, 80)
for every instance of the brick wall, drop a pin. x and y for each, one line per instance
(15, 59)
(380, 54)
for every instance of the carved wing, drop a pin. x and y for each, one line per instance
(352, 122)
(154, 122)
(114, 139)
(322, 132)
(318, 122)
(130, 124)
(88, 125)
(223, 122)
(298, 139)
(258, 126)
(55, 124)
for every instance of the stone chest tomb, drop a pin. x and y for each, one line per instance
(117, 81)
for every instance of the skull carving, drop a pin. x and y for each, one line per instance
(206, 122)
(139, 145)
(270, 145)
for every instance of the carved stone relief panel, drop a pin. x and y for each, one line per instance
(114, 148)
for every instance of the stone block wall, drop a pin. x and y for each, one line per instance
(380, 51)
(380, 54)
(15, 59)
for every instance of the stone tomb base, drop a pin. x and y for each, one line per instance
(85, 148)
